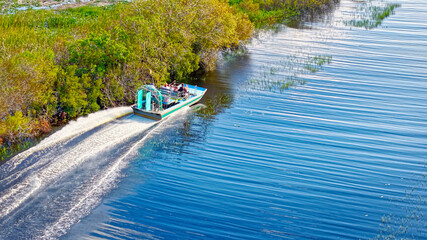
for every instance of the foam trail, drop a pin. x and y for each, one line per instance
(73, 128)
(95, 192)
(64, 179)
(89, 147)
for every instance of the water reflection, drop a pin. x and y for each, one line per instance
(318, 15)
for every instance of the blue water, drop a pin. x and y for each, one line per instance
(342, 154)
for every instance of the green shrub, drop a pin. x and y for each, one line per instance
(16, 126)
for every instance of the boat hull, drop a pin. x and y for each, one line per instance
(142, 113)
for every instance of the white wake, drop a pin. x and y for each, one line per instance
(63, 178)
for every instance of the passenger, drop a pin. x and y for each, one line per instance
(183, 88)
(167, 86)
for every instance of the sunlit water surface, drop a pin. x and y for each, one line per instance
(341, 154)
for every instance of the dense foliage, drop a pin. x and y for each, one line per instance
(56, 65)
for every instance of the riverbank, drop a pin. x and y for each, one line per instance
(56, 65)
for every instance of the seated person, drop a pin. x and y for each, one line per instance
(182, 88)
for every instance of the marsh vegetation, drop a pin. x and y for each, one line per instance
(371, 14)
(290, 71)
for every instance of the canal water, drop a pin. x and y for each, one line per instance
(319, 131)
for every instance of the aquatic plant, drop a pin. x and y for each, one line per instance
(412, 222)
(370, 15)
(314, 64)
(288, 72)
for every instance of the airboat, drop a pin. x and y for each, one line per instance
(156, 104)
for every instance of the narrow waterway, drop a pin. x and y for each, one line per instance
(338, 153)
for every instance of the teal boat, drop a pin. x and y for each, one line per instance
(159, 103)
